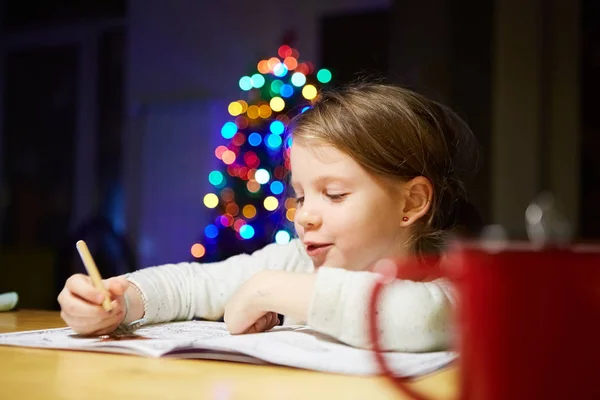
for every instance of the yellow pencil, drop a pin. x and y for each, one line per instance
(92, 270)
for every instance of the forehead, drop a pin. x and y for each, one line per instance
(312, 161)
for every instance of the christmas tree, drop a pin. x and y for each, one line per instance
(251, 203)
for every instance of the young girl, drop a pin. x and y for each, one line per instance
(378, 173)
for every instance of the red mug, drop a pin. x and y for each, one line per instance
(528, 323)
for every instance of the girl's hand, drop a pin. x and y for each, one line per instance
(81, 305)
(244, 312)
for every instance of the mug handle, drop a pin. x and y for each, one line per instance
(400, 383)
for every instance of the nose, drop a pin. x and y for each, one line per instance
(308, 219)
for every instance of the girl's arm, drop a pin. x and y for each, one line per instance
(414, 316)
(186, 290)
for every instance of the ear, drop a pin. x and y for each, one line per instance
(418, 193)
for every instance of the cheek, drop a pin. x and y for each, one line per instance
(299, 229)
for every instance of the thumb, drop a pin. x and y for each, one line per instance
(117, 285)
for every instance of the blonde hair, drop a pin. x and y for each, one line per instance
(395, 133)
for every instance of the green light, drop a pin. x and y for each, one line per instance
(276, 86)
(324, 75)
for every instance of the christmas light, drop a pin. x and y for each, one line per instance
(277, 104)
(277, 127)
(298, 79)
(276, 187)
(255, 139)
(198, 250)
(250, 184)
(245, 83)
(282, 237)
(211, 200)
(271, 203)
(262, 176)
(309, 92)
(258, 81)
(324, 75)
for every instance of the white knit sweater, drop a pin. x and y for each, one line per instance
(414, 316)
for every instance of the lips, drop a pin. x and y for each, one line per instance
(315, 249)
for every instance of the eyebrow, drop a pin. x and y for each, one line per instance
(326, 179)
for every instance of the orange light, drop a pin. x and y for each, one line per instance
(273, 61)
(252, 112)
(249, 211)
(228, 157)
(264, 111)
(263, 67)
(291, 63)
(290, 202)
(198, 250)
(253, 186)
(290, 214)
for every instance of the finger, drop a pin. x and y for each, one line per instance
(257, 326)
(75, 306)
(117, 285)
(88, 326)
(81, 286)
(272, 320)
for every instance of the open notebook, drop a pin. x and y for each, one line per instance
(293, 346)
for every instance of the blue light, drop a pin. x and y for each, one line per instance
(289, 141)
(254, 139)
(215, 178)
(211, 231)
(282, 237)
(258, 80)
(304, 109)
(298, 79)
(245, 83)
(280, 70)
(274, 141)
(286, 90)
(229, 130)
(247, 232)
(276, 127)
(276, 187)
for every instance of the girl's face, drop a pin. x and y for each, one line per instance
(344, 217)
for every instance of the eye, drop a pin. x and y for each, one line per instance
(336, 197)
(299, 201)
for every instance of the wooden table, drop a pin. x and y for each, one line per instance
(27, 373)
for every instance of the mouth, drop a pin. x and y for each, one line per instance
(315, 249)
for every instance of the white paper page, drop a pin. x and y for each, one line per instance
(294, 346)
(302, 347)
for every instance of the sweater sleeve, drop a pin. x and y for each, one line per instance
(189, 290)
(413, 316)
